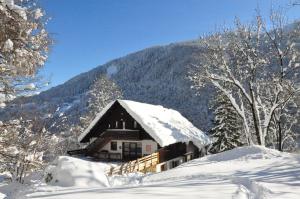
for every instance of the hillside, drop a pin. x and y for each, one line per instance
(156, 75)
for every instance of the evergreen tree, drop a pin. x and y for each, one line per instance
(228, 125)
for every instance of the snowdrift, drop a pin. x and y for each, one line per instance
(246, 153)
(245, 172)
(2, 196)
(68, 171)
(130, 179)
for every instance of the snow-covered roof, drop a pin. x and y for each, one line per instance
(165, 126)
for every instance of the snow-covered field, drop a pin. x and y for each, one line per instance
(247, 172)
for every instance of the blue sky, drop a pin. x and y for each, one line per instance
(89, 33)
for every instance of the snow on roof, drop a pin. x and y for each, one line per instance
(166, 126)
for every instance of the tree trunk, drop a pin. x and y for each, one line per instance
(255, 117)
(279, 136)
(257, 133)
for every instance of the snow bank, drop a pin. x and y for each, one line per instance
(245, 153)
(68, 171)
(258, 172)
(126, 179)
(2, 196)
(4, 176)
(247, 172)
(4, 179)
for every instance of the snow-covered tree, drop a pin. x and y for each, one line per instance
(24, 44)
(261, 63)
(22, 146)
(104, 90)
(228, 125)
(284, 122)
(68, 139)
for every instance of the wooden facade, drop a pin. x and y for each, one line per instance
(119, 121)
(116, 124)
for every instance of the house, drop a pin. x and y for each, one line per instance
(127, 130)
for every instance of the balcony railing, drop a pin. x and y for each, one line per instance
(107, 156)
(144, 164)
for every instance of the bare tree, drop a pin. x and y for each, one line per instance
(260, 62)
(285, 122)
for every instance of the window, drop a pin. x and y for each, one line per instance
(175, 163)
(134, 124)
(139, 149)
(132, 150)
(117, 124)
(163, 167)
(148, 148)
(113, 146)
(124, 125)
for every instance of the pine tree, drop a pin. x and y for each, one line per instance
(227, 128)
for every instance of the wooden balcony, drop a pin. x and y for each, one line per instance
(144, 164)
(106, 156)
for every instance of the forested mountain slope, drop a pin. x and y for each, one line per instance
(156, 75)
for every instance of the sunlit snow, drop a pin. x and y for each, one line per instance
(246, 172)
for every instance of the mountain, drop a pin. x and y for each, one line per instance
(156, 75)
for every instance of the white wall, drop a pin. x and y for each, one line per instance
(151, 143)
(168, 164)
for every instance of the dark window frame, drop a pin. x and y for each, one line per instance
(114, 146)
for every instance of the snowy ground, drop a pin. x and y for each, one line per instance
(248, 172)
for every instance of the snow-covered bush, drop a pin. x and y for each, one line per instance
(22, 148)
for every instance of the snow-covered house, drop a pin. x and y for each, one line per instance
(126, 130)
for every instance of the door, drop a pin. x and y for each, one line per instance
(132, 150)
